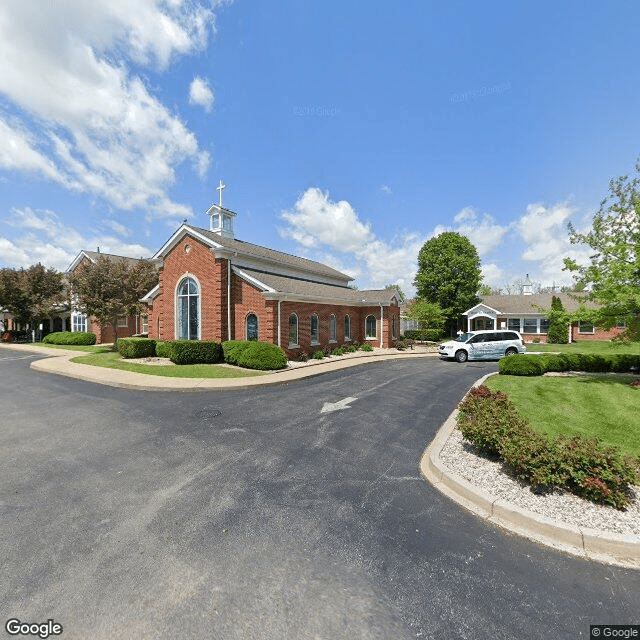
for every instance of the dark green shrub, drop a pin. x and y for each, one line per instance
(233, 349)
(424, 335)
(352, 348)
(338, 351)
(263, 356)
(521, 365)
(196, 352)
(163, 348)
(552, 362)
(583, 466)
(318, 355)
(70, 337)
(623, 362)
(366, 347)
(404, 343)
(136, 347)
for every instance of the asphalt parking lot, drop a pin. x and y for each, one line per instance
(254, 514)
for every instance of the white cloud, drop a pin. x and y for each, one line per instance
(546, 238)
(94, 125)
(200, 93)
(318, 223)
(45, 238)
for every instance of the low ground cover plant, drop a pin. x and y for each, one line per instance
(366, 347)
(70, 337)
(583, 466)
(136, 347)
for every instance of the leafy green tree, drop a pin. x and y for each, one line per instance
(612, 280)
(449, 275)
(559, 319)
(111, 288)
(428, 315)
(485, 290)
(31, 295)
(398, 289)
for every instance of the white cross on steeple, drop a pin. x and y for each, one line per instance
(220, 188)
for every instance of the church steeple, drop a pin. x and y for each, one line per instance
(221, 219)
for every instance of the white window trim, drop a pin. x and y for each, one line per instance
(176, 314)
(311, 338)
(586, 333)
(347, 338)
(333, 329)
(123, 322)
(78, 318)
(296, 344)
(368, 337)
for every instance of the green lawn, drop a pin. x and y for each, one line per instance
(598, 347)
(113, 360)
(602, 406)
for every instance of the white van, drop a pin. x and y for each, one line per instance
(482, 345)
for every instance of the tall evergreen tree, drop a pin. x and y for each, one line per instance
(558, 332)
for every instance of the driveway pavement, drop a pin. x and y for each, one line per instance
(257, 515)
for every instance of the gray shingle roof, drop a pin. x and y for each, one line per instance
(94, 255)
(246, 248)
(310, 289)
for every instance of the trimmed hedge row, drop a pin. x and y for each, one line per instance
(70, 337)
(136, 347)
(195, 352)
(250, 354)
(533, 365)
(427, 335)
(582, 466)
(163, 348)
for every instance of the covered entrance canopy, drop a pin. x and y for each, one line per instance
(481, 317)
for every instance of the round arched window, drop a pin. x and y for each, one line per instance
(188, 302)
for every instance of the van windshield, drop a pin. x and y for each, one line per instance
(463, 337)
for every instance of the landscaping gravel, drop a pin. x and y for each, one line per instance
(460, 457)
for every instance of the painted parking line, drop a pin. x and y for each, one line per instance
(33, 355)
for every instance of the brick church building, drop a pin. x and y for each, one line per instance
(213, 286)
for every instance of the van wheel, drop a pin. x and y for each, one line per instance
(511, 351)
(461, 356)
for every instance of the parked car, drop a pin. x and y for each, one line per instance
(482, 345)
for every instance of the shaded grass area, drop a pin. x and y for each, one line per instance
(113, 360)
(602, 406)
(597, 347)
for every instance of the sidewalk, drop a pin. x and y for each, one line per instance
(59, 361)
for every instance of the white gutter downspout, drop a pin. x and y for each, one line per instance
(279, 338)
(229, 298)
(381, 324)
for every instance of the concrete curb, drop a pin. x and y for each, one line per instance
(59, 362)
(591, 544)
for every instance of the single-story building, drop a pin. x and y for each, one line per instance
(215, 287)
(524, 313)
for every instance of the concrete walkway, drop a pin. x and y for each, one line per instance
(588, 543)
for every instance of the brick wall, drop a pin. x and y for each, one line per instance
(211, 275)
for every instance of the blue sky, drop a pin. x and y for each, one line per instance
(345, 135)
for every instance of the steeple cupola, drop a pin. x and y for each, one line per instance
(221, 219)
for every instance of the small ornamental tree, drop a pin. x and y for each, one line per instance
(428, 315)
(111, 288)
(558, 332)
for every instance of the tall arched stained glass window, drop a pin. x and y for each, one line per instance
(293, 329)
(370, 327)
(188, 304)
